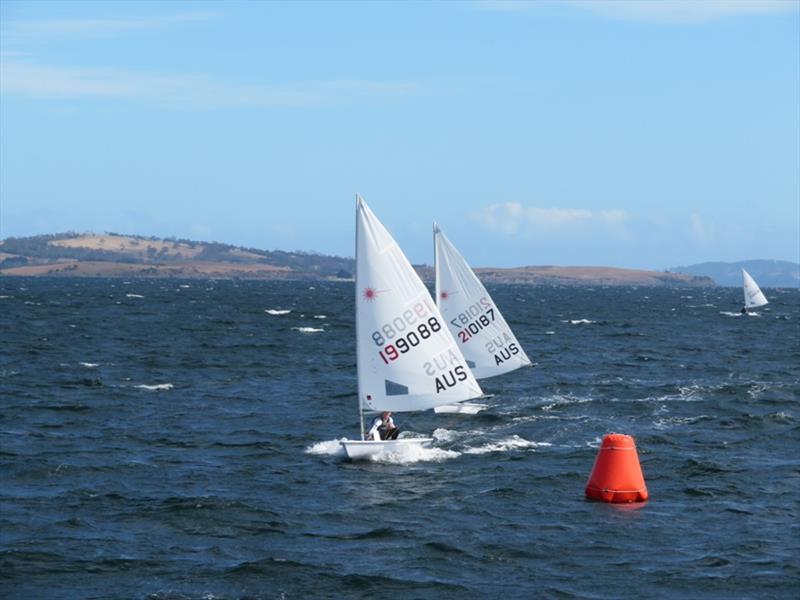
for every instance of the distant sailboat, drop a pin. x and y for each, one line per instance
(407, 360)
(753, 296)
(476, 323)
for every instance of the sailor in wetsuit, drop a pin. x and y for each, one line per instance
(383, 428)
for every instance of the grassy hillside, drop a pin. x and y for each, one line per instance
(116, 255)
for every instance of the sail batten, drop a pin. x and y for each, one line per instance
(407, 359)
(483, 335)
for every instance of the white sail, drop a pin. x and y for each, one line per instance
(407, 359)
(753, 296)
(482, 333)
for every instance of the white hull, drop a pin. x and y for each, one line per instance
(462, 408)
(361, 449)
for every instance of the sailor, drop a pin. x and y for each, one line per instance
(383, 428)
(744, 310)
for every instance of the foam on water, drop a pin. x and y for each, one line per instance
(579, 321)
(89, 365)
(156, 387)
(134, 296)
(277, 311)
(307, 329)
(508, 444)
(326, 448)
(403, 455)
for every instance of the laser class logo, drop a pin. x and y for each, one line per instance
(370, 293)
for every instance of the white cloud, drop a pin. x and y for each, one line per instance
(684, 11)
(660, 11)
(49, 29)
(27, 78)
(512, 218)
(698, 228)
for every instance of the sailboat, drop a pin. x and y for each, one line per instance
(484, 337)
(753, 296)
(407, 359)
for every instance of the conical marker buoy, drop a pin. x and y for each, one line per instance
(617, 474)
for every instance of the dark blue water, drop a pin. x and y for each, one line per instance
(172, 439)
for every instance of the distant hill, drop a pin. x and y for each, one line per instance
(112, 254)
(767, 273)
(117, 255)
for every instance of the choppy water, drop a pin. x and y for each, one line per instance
(174, 439)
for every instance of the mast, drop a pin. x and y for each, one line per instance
(360, 408)
(435, 267)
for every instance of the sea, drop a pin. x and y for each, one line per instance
(179, 439)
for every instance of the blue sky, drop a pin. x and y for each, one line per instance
(630, 134)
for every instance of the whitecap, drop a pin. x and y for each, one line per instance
(4, 297)
(134, 296)
(155, 388)
(89, 365)
(405, 454)
(549, 332)
(275, 311)
(326, 448)
(414, 453)
(307, 329)
(509, 444)
(320, 316)
(579, 321)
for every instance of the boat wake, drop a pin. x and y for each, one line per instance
(155, 388)
(509, 444)
(403, 455)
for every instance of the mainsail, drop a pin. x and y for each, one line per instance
(753, 296)
(474, 320)
(407, 359)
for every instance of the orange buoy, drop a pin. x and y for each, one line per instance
(617, 474)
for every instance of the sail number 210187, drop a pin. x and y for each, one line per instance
(405, 332)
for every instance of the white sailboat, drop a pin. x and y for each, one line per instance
(753, 296)
(482, 334)
(407, 359)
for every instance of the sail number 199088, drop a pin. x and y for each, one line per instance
(405, 332)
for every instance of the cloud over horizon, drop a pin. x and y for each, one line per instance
(27, 78)
(676, 12)
(512, 218)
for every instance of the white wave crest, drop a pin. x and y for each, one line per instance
(277, 311)
(509, 444)
(326, 448)
(320, 316)
(89, 365)
(307, 329)
(406, 454)
(155, 388)
(134, 296)
(579, 321)
(414, 453)
(549, 332)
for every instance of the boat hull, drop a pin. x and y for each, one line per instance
(365, 449)
(462, 408)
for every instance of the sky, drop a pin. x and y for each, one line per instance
(630, 134)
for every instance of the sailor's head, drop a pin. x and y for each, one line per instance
(387, 414)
